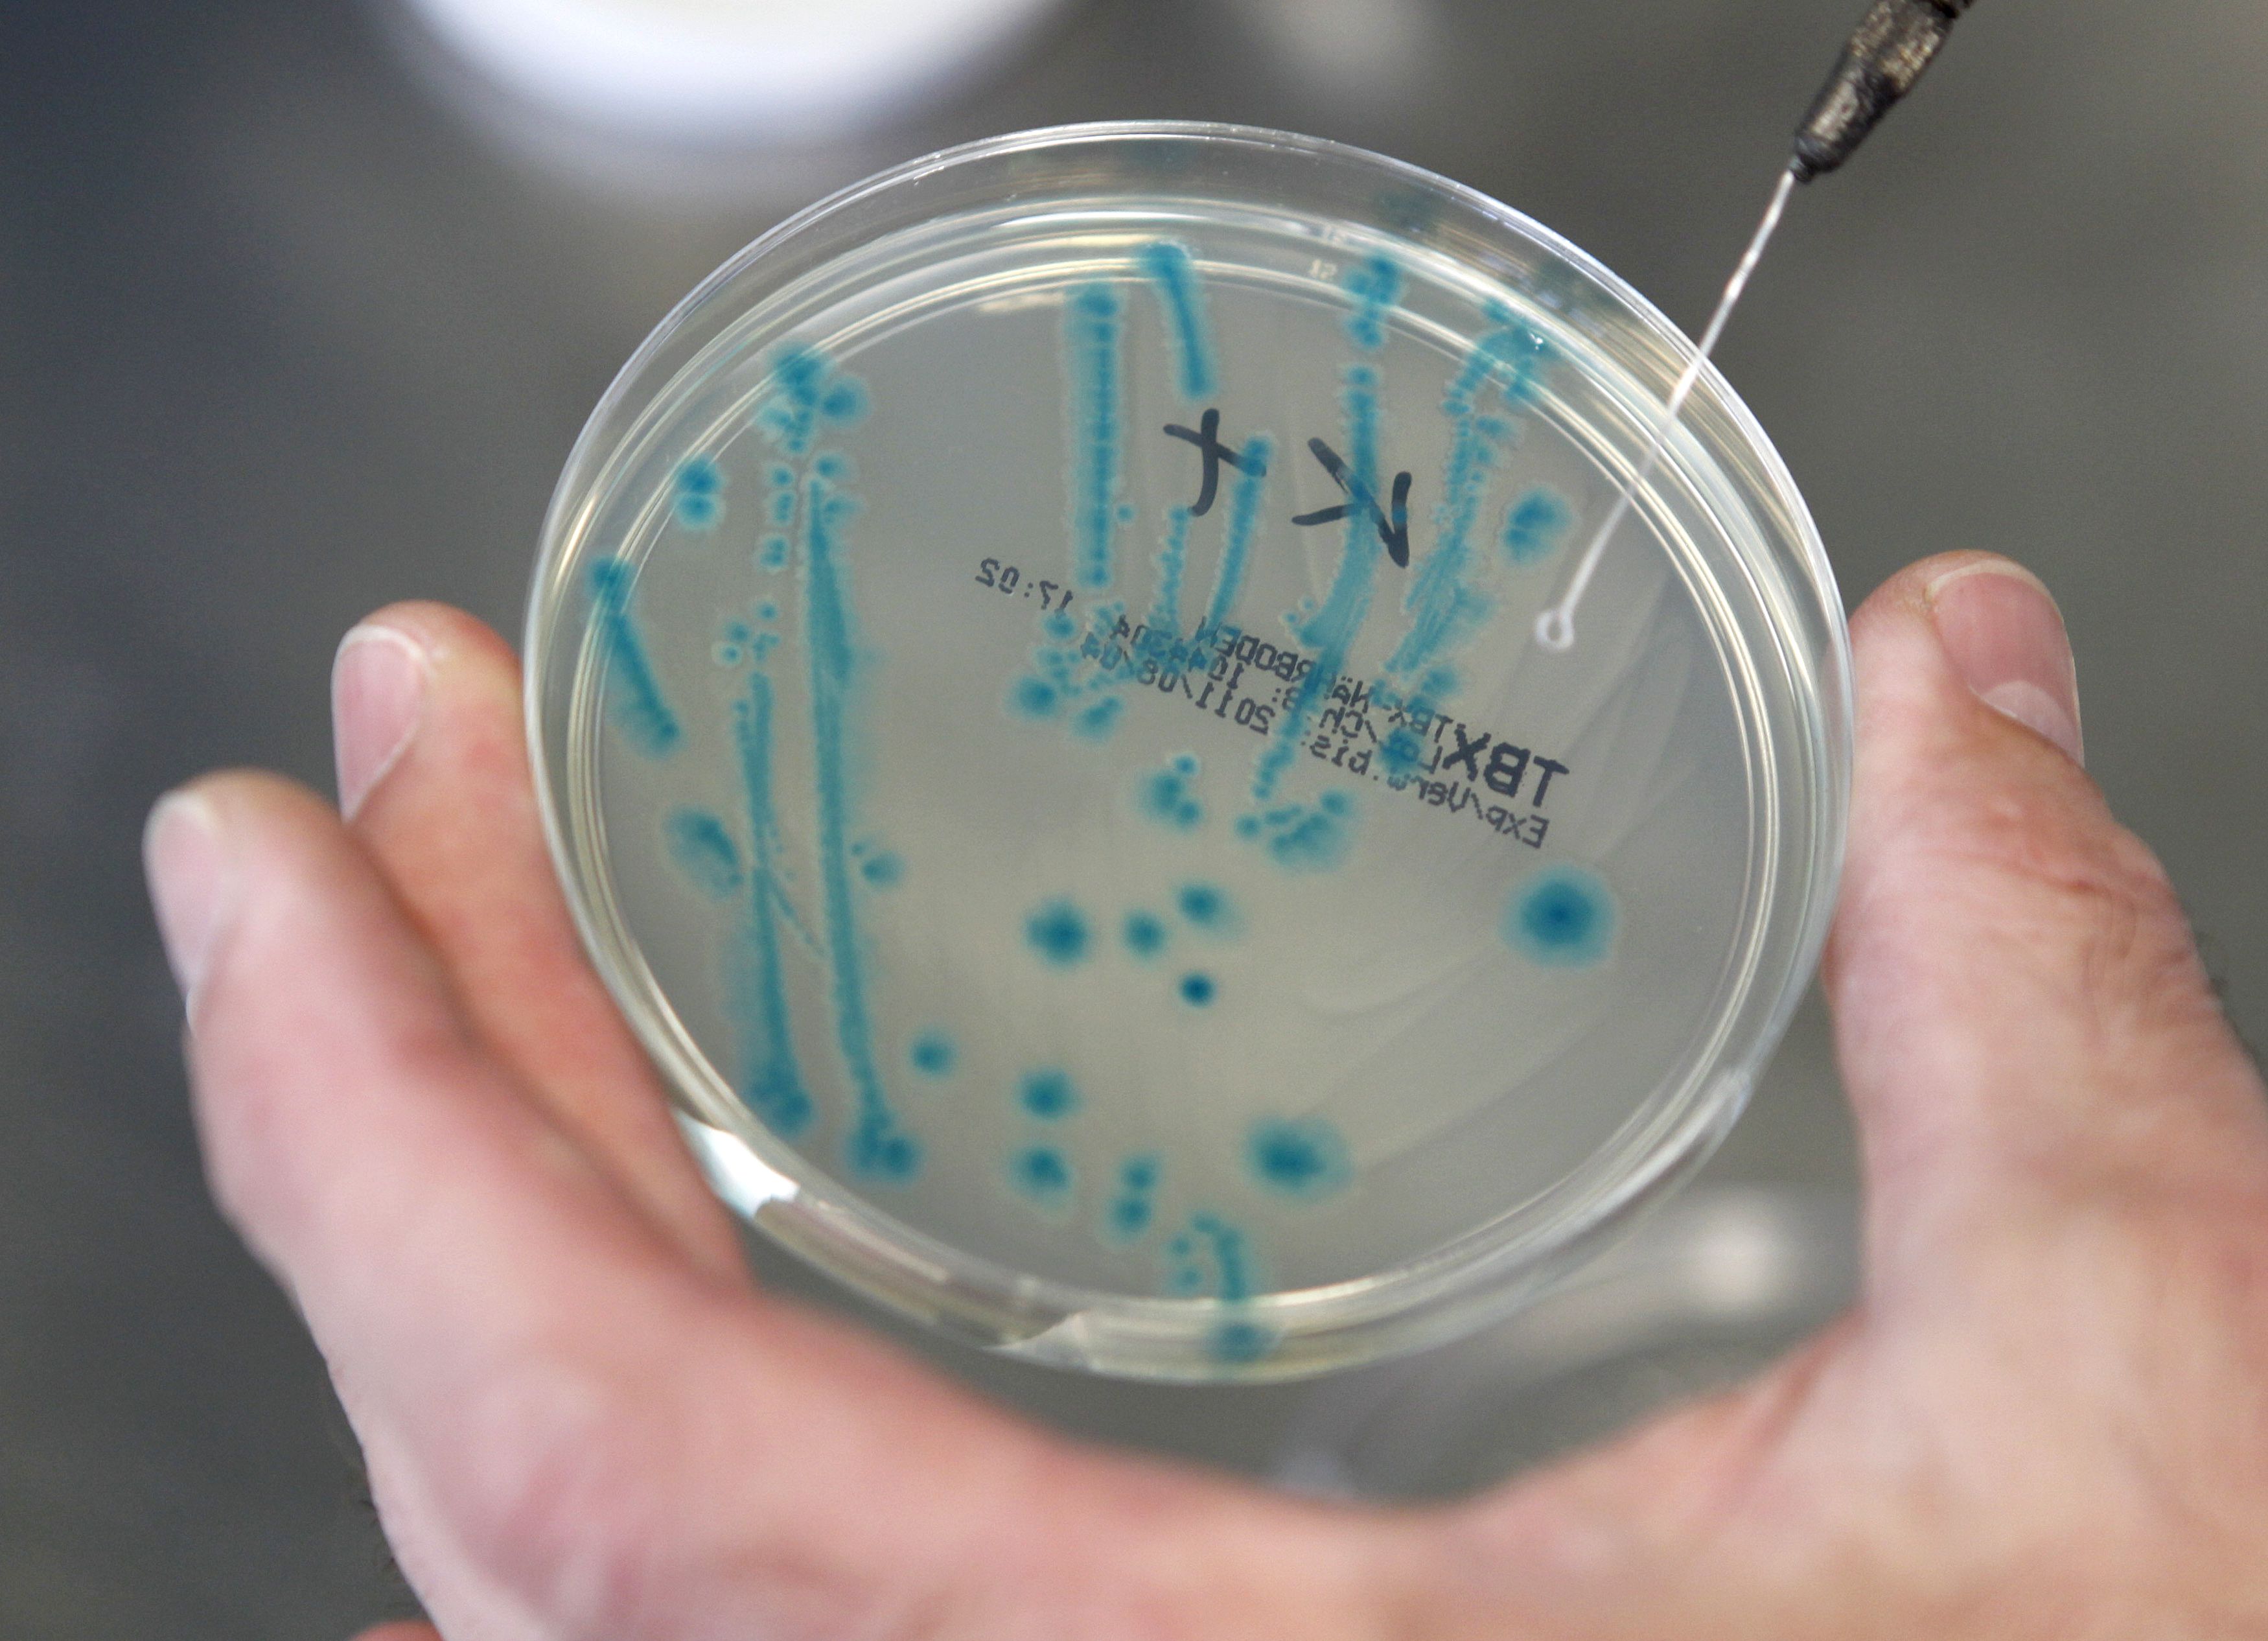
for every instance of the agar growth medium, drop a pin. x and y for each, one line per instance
(1051, 750)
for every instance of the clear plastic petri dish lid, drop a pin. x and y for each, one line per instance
(1033, 692)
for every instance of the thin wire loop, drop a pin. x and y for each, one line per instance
(1555, 628)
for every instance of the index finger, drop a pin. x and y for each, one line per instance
(434, 771)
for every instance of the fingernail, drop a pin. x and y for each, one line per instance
(2005, 637)
(378, 686)
(190, 883)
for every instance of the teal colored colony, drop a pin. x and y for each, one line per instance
(1134, 1207)
(1043, 1175)
(697, 498)
(1532, 526)
(1144, 934)
(1561, 917)
(933, 1054)
(1048, 1095)
(1057, 931)
(1168, 796)
(1300, 1158)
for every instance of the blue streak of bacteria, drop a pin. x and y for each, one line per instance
(773, 1085)
(1244, 523)
(1172, 553)
(1092, 330)
(877, 1146)
(640, 711)
(1176, 276)
(1330, 631)
(705, 852)
(1444, 604)
(1375, 286)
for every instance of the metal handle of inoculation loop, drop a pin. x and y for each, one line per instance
(1555, 628)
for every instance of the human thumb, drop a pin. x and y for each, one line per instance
(2020, 1013)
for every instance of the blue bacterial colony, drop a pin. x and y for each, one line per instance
(1048, 1095)
(932, 1054)
(1206, 907)
(1034, 697)
(696, 497)
(1168, 796)
(1096, 720)
(1401, 754)
(1058, 932)
(1197, 989)
(1043, 1175)
(1144, 934)
(1300, 837)
(1561, 917)
(1533, 526)
(1134, 1205)
(1303, 1158)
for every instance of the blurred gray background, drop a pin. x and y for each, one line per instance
(289, 328)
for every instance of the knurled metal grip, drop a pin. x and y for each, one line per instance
(1893, 43)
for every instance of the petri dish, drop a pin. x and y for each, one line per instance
(1034, 697)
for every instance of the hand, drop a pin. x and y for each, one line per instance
(2047, 1416)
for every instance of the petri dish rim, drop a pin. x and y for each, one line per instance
(1463, 1282)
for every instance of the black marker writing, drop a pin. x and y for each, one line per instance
(1394, 530)
(1206, 436)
